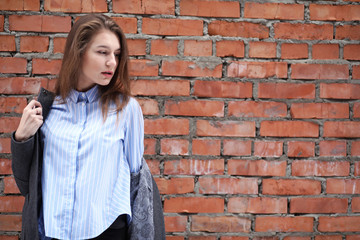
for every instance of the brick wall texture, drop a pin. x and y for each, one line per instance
(252, 109)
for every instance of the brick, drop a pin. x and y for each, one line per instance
(319, 71)
(262, 49)
(5, 166)
(328, 237)
(238, 29)
(221, 89)
(171, 146)
(192, 69)
(286, 90)
(356, 72)
(236, 147)
(172, 27)
(347, 32)
(149, 146)
(318, 205)
(194, 205)
(268, 149)
(87, 6)
(20, 5)
(302, 31)
(137, 47)
(5, 145)
(256, 109)
(356, 110)
(294, 51)
(334, 13)
(59, 44)
(202, 238)
(355, 204)
(206, 147)
(257, 205)
(10, 186)
(9, 237)
(197, 48)
(301, 149)
(175, 223)
(227, 185)
(339, 224)
(195, 108)
(7, 43)
(289, 129)
(161, 87)
(206, 8)
(355, 148)
(357, 169)
(325, 51)
(154, 166)
(46, 66)
(223, 224)
(227, 48)
(175, 185)
(40, 23)
(340, 90)
(175, 237)
(352, 237)
(12, 104)
(332, 148)
(164, 47)
(9, 124)
(233, 238)
(166, 7)
(21, 85)
(274, 11)
(296, 238)
(225, 128)
(320, 168)
(34, 44)
(343, 186)
(127, 24)
(143, 67)
(257, 69)
(342, 129)
(319, 110)
(2, 23)
(166, 126)
(11, 204)
(149, 106)
(284, 224)
(194, 167)
(10, 222)
(291, 187)
(256, 167)
(13, 65)
(351, 51)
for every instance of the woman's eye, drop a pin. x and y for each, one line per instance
(102, 52)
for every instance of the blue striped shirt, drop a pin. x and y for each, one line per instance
(87, 164)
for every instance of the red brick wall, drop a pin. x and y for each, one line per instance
(251, 109)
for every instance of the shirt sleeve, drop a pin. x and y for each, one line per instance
(134, 135)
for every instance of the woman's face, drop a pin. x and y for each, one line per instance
(99, 61)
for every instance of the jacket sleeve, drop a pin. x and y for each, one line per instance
(147, 217)
(22, 155)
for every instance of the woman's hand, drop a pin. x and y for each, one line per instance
(31, 120)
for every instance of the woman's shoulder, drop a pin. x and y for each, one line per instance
(133, 105)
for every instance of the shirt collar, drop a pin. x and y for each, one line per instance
(90, 95)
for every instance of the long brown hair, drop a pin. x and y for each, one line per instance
(82, 32)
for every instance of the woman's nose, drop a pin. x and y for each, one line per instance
(111, 60)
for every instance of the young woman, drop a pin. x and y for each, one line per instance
(78, 153)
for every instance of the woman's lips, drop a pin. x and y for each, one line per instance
(107, 74)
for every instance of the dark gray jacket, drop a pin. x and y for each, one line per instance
(148, 219)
